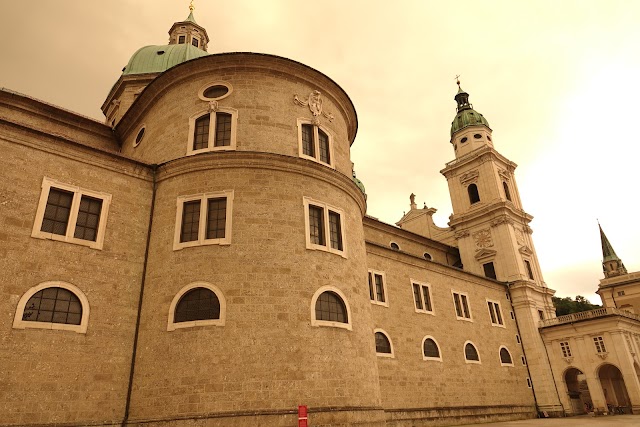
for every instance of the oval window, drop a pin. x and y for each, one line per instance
(463, 140)
(139, 137)
(215, 91)
(477, 136)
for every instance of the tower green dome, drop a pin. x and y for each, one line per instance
(466, 116)
(156, 59)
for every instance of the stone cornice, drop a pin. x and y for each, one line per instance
(493, 212)
(417, 238)
(260, 160)
(480, 155)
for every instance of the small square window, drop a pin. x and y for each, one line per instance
(489, 270)
(203, 219)
(422, 297)
(195, 42)
(495, 313)
(71, 214)
(324, 227)
(377, 288)
(315, 143)
(461, 305)
(181, 39)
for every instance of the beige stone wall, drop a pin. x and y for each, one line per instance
(54, 376)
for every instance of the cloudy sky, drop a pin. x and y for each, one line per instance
(555, 79)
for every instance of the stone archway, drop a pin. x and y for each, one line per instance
(578, 391)
(613, 388)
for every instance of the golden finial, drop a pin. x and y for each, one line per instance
(458, 79)
(191, 6)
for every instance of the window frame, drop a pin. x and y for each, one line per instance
(78, 192)
(213, 113)
(500, 357)
(202, 240)
(437, 359)
(172, 325)
(18, 323)
(372, 287)
(491, 305)
(529, 269)
(466, 295)
(565, 349)
(327, 241)
(464, 353)
(422, 286)
(383, 332)
(328, 323)
(599, 344)
(316, 142)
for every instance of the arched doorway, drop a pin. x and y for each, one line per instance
(578, 391)
(615, 392)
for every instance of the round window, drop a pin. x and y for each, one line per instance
(394, 246)
(463, 140)
(427, 256)
(477, 136)
(139, 137)
(215, 91)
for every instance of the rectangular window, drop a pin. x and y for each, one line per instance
(203, 219)
(315, 143)
(489, 270)
(195, 42)
(71, 214)
(541, 314)
(422, 297)
(461, 303)
(527, 264)
(181, 39)
(566, 350)
(212, 131)
(377, 289)
(495, 313)
(324, 227)
(599, 342)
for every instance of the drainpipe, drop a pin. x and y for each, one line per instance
(125, 419)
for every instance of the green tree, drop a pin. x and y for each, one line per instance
(567, 305)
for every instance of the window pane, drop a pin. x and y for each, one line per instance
(416, 296)
(371, 288)
(379, 288)
(431, 348)
(493, 316)
(194, 42)
(498, 315)
(223, 130)
(335, 230)
(201, 133)
(489, 270)
(56, 213)
(316, 225)
(529, 270)
(216, 218)
(190, 221)
(382, 343)
(323, 142)
(53, 305)
(427, 298)
(88, 218)
(465, 306)
(329, 306)
(456, 301)
(307, 141)
(470, 352)
(505, 357)
(197, 304)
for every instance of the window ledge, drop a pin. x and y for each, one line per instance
(194, 323)
(327, 323)
(23, 324)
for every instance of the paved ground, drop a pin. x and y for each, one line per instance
(581, 421)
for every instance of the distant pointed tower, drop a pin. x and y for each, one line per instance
(189, 32)
(494, 237)
(611, 264)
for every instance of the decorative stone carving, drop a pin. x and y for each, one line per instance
(503, 174)
(116, 102)
(602, 355)
(482, 254)
(519, 236)
(483, 238)
(469, 177)
(568, 360)
(525, 250)
(213, 106)
(461, 234)
(502, 220)
(527, 229)
(314, 102)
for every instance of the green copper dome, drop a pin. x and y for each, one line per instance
(466, 116)
(156, 59)
(360, 185)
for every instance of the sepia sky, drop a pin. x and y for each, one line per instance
(555, 79)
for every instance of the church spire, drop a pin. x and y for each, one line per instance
(611, 264)
(462, 98)
(189, 32)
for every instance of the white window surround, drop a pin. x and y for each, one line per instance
(18, 323)
(325, 208)
(78, 192)
(384, 303)
(466, 295)
(422, 285)
(315, 322)
(464, 354)
(214, 83)
(498, 310)
(172, 326)
(383, 332)
(316, 141)
(202, 240)
(438, 359)
(212, 130)
(510, 356)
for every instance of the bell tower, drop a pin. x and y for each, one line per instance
(494, 238)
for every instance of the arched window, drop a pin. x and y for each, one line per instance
(505, 357)
(383, 344)
(212, 130)
(394, 246)
(329, 308)
(474, 196)
(427, 256)
(471, 353)
(197, 304)
(430, 349)
(53, 305)
(507, 194)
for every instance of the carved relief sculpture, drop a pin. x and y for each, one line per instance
(469, 177)
(314, 102)
(483, 238)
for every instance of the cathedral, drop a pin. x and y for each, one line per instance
(204, 257)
